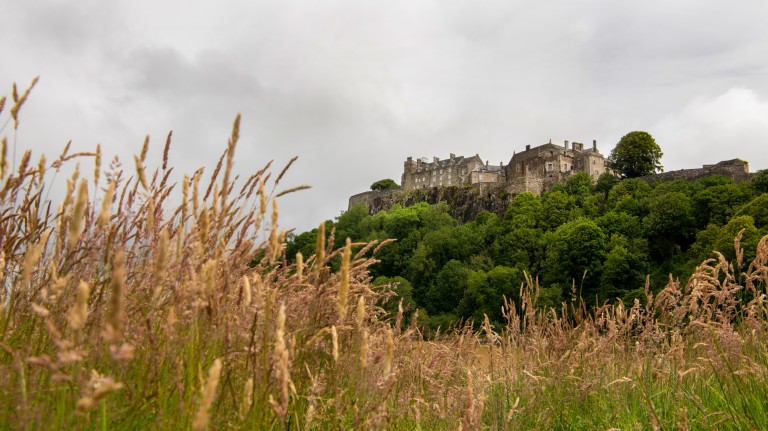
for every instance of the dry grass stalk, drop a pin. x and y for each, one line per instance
(342, 299)
(388, 355)
(335, 343)
(364, 348)
(282, 365)
(31, 258)
(78, 213)
(319, 251)
(299, 267)
(360, 312)
(161, 261)
(3, 156)
(247, 398)
(79, 312)
(246, 292)
(97, 166)
(208, 394)
(106, 204)
(19, 101)
(140, 172)
(116, 316)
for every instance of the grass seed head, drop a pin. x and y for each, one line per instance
(79, 312)
(208, 395)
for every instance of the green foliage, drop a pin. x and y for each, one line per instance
(385, 184)
(620, 223)
(603, 238)
(579, 185)
(628, 196)
(403, 292)
(524, 211)
(348, 224)
(623, 271)
(448, 289)
(760, 181)
(486, 292)
(557, 208)
(669, 223)
(719, 203)
(750, 237)
(758, 210)
(636, 154)
(575, 253)
(605, 183)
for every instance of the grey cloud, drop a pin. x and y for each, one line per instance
(355, 87)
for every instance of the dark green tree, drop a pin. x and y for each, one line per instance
(385, 184)
(636, 154)
(760, 181)
(757, 208)
(523, 211)
(557, 208)
(605, 183)
(669, 224)
(623, 271)
(448, 289)
(575, 253)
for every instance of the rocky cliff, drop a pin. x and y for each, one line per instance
(464, 202)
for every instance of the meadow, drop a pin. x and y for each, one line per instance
(138, 303)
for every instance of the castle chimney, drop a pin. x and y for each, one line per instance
(527, 148)
(435, 159)
(594, 144)
(566, 144)
(453, 156)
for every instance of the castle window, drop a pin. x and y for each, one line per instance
(549, 167)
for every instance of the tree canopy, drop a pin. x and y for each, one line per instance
(385, 184)
(636, 154)
(580, 242)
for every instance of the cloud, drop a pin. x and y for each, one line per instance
(710, 129)
(353, 88)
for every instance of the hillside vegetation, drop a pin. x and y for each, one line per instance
(136, 303)
(596, 241)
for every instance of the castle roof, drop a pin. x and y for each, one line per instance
(452, 161)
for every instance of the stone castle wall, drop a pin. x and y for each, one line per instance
(736, 169)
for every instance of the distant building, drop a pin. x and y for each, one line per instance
(533, 170)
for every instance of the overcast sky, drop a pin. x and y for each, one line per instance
(354, 87)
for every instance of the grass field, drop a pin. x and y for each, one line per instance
(135, 303)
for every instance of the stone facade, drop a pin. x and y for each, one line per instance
(537, 169)
(533, 170)
(454, 171)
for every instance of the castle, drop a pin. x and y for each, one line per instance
(534, 170)
(470, 185)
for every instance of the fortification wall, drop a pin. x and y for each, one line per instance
(737, 170)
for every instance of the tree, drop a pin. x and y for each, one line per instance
(636, 154)
(760, 181)
(669, 223)
(575, 253)
(385, 184)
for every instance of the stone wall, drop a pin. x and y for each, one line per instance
(736, 169)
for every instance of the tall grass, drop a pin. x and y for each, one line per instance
(137, 303)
